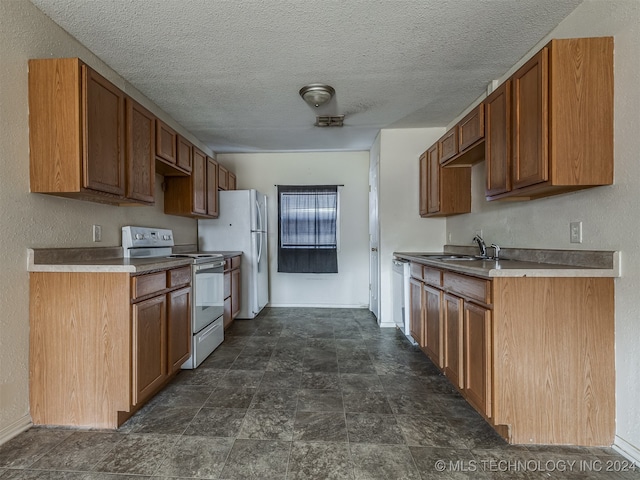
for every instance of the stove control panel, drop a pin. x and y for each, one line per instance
(145, 237)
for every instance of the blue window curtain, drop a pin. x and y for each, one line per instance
(307, 229)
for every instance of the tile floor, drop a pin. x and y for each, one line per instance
(302, 394)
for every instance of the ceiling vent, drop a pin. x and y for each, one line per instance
(329, 120)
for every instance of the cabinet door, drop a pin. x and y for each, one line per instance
(448, 145)
(433, 324)
(212, 187)
(453, 352)
(416, 314)
(149, 353)
(103, 149)
(424, 184)
(178, 328)
(530, 122)
(184, 154)
(235, 292)
(141, 153)
(471, 128)
(498, 140)
(232, 181)
(199, 182)
(166, 143)
(433, 180)
(223, 178)
(227, 312)
(477, 357)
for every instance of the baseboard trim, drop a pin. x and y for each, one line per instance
(313, 305)
(387, 324)
(627, 450)
(15, 428)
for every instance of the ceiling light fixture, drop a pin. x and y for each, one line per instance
(316, 94)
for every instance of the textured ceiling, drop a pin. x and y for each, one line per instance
(229, 71)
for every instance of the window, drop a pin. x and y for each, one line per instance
(308, 229)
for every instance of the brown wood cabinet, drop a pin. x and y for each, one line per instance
(232, 181)
(416, 321)
(510, 354)
(223, 178)
(140, 153)
(448, 145)
(444, 191)
(184, 154)
(232, 293)
(463, 145)
(167, 151)
(194, 196)
(498, 140)
(101, 344)
(560, 126)
(433, 319)
(76, 132)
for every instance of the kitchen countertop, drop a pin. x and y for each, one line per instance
(525, 263)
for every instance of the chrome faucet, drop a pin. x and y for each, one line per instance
(496, 249)
(483, 248)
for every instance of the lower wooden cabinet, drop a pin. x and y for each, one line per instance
(453, 328)
(149, 353)
(102, 344)
(477, 357)
(433, 325)
(232, 292)
(416, 314)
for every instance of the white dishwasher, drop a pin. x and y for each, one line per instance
(400, 296)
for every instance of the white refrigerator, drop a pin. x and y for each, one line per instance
(242, 226)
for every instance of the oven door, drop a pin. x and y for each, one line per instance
(208, 294)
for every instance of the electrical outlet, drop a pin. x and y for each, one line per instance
(575, 232)
(97, 233)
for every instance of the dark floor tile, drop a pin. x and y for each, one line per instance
(268, 425)
(455, 406)
(203, 377)
(320, 401)
(412, 404)
(446, 463)
(199, 457)
(167, 420)
(231, 397)
(350, 382)
(430, 431)
(476, 433)
(137, 454)
(403, 383)
(320, 461)
(320, 426)
(373, 428)
(366, 402)
(216, 422)
(79, 451)
(219, 363)
(256, 460)
(290, 380)
(245, 362)
(26, 448)
(383, 462)
(182, 395)
(54, 475)
(327, 365)
(320, 346)
(356, 366)
(285, 362)
(320, 381)
(274, 399)
(240, 378)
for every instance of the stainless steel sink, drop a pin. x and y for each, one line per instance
(453, 257)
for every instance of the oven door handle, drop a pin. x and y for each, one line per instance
(207, 266)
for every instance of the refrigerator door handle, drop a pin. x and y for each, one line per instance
(259, 225)
(259, 250)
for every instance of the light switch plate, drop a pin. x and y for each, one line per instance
(575, 232)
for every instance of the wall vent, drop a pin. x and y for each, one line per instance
(329, 121)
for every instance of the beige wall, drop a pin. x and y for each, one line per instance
(34, 220)
(401, 228)
(610, 215)
(350, 286)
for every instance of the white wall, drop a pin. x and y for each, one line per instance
(401, 227)
(35, 220)
(350, 286)
(610, 215)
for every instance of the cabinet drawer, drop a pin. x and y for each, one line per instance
(235, 262)
(179, 276)
(432, 276)
(144, 285)
(468, 287)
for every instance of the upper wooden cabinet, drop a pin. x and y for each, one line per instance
(232, 181)
(443, 191)
(140, 153)
(167, 151)
(194, 196)
(184, 156)
(560, 122)
(76, 132)
(223, 178)
(462, 146)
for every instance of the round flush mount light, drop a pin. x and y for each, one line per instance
(316, 94)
